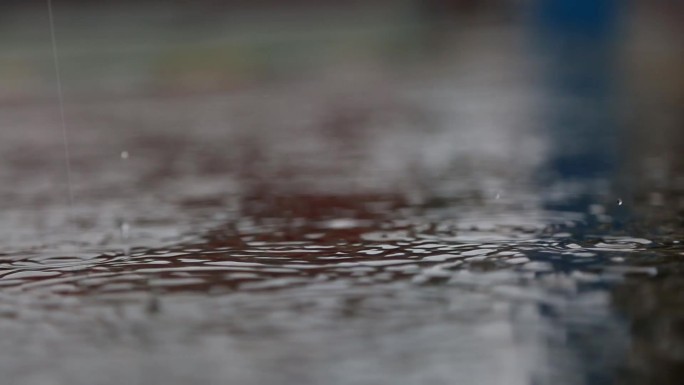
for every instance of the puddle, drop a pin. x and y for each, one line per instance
(481, 212)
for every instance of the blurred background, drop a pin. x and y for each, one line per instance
(604, 75)
(219, 123)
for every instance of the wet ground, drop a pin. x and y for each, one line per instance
(474, 205)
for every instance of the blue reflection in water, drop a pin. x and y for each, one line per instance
(576, 40)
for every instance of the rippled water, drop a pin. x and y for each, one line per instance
(415, 296)
(429, 224)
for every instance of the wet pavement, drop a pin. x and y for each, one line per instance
(477, 205)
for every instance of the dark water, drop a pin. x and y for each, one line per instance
(498, 202)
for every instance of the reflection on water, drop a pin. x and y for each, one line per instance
(477, 212)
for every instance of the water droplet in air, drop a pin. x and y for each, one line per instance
(619, 202)
(124, 155)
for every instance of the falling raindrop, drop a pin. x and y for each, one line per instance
(60, 97)
(619, 201)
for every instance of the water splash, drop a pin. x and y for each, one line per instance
(125, 229)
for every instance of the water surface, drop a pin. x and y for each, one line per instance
(486, 210)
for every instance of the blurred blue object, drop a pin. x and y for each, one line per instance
(577, 42)
(575, 38)
(593, 18)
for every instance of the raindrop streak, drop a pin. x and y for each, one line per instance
(60, 97)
